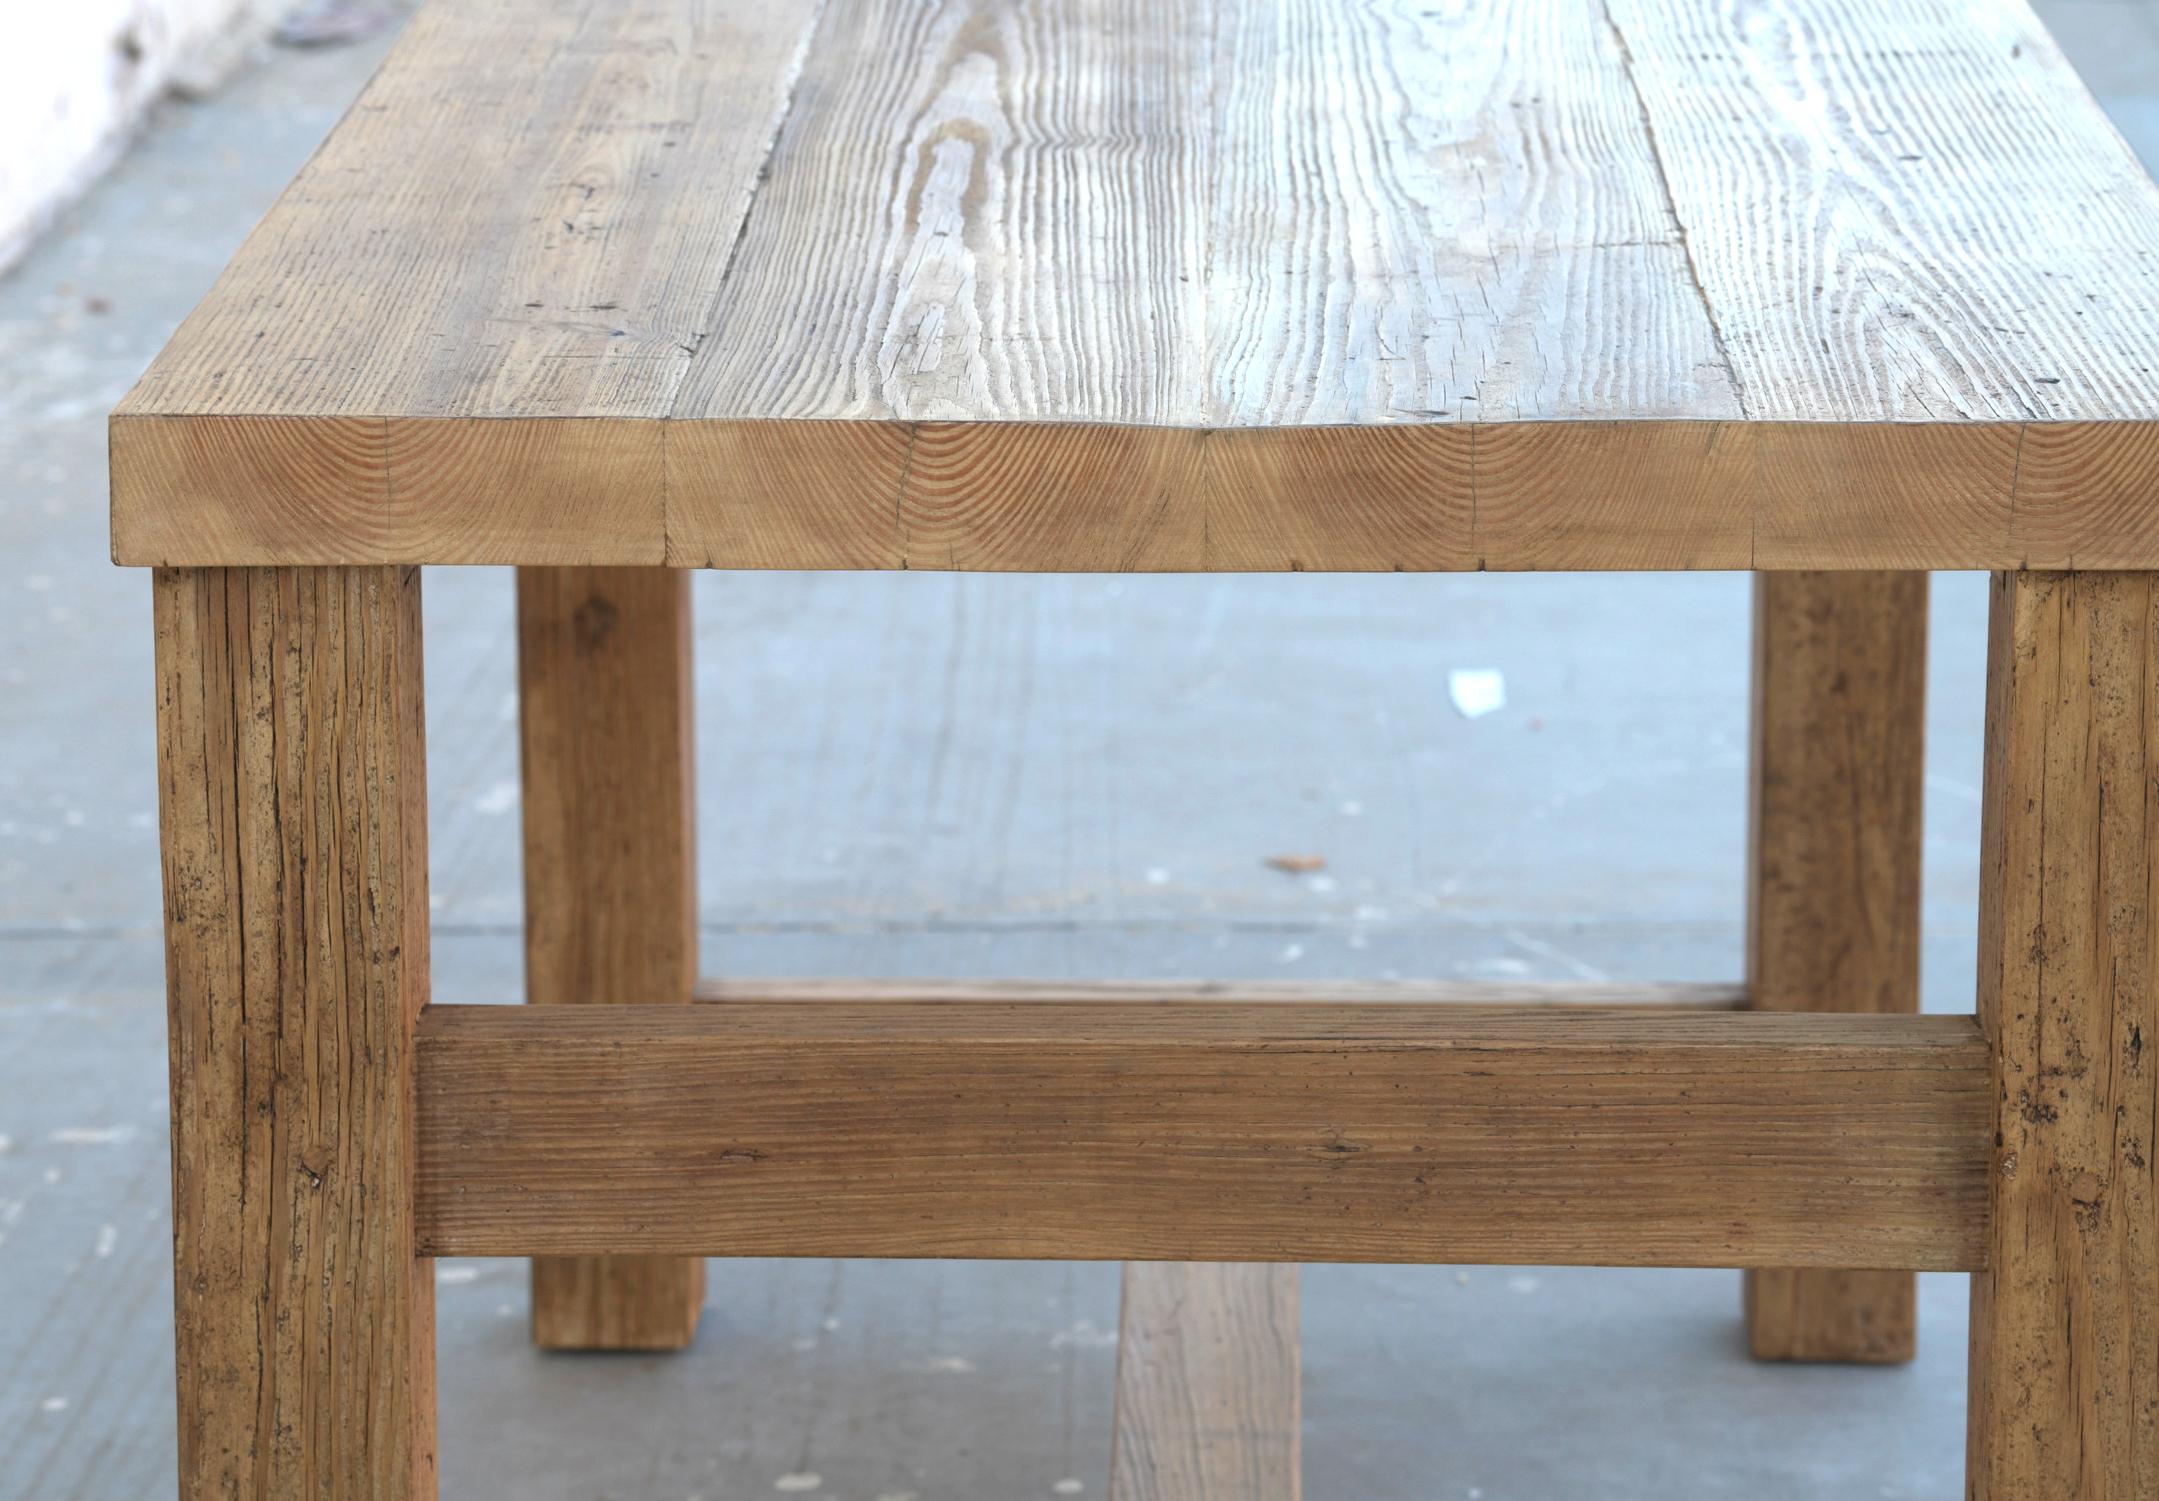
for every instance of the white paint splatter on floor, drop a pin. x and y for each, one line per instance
(91, 1136)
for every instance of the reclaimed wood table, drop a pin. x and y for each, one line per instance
(1841, 291)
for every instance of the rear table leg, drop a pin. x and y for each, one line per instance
(610, 874)
(1833, 914)
(1209, 1389)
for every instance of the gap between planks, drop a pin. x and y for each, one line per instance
(1577, 994)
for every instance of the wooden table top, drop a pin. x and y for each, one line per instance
(1182, 284)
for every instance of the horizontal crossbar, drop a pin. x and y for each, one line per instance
(1204, 1131)
(1574, 993)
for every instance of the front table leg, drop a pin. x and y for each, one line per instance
(2065, 1322)
(293, 812)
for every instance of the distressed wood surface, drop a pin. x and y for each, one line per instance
(292, 789)
(1204, 284)
(1839, 759)
(1572, 994)
(2065, 1323)
(604, 695)
(1204, 1132)
(1209, 1391)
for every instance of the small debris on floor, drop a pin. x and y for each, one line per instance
(1297, 865)
(1477, 691)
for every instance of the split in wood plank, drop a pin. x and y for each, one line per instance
(1209, 1391)
(1205, 1131)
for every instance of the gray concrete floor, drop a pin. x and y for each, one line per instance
(915, 774)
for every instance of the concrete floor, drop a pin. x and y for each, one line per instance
(917, 774)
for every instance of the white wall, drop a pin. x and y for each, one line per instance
(76, 75)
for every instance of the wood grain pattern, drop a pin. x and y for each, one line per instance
(293, 804)
(2065, 1323)
(1204, 1132)
(1209, 1390)
(1573, 995)
(1839, 758)
(610, 797)
(1203, 284)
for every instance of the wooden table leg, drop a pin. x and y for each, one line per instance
(1209, 1386)
(1833, 914)
(2065, 1322)
(293, 805)
(610, 874)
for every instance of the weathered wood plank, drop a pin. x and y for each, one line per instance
(1903, 210)
(1572, 994)
(1183, 286)
(293, 803)
(1833, 912)
(610, 795)
(525, 217)
(1204, 1132)
(1209, 1391)
(2065, 1323)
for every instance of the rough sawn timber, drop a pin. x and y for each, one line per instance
(1183, 284)
(1204, 1131)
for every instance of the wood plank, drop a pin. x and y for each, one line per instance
(1205, 1132)
(292, 786)
(525, 217)
(2065, 1323)
(1833, 901)
(1572, 994)
(1899, 209)
(1183, 286)
(1209, 1391)
(610, 792)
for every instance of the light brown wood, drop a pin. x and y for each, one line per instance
(293, 805)
(1572, 994)
(608, 708)
(1165, 284)
(2065, 1323)
(1209, 1393)
(1204, 1132)
(1833, 917)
